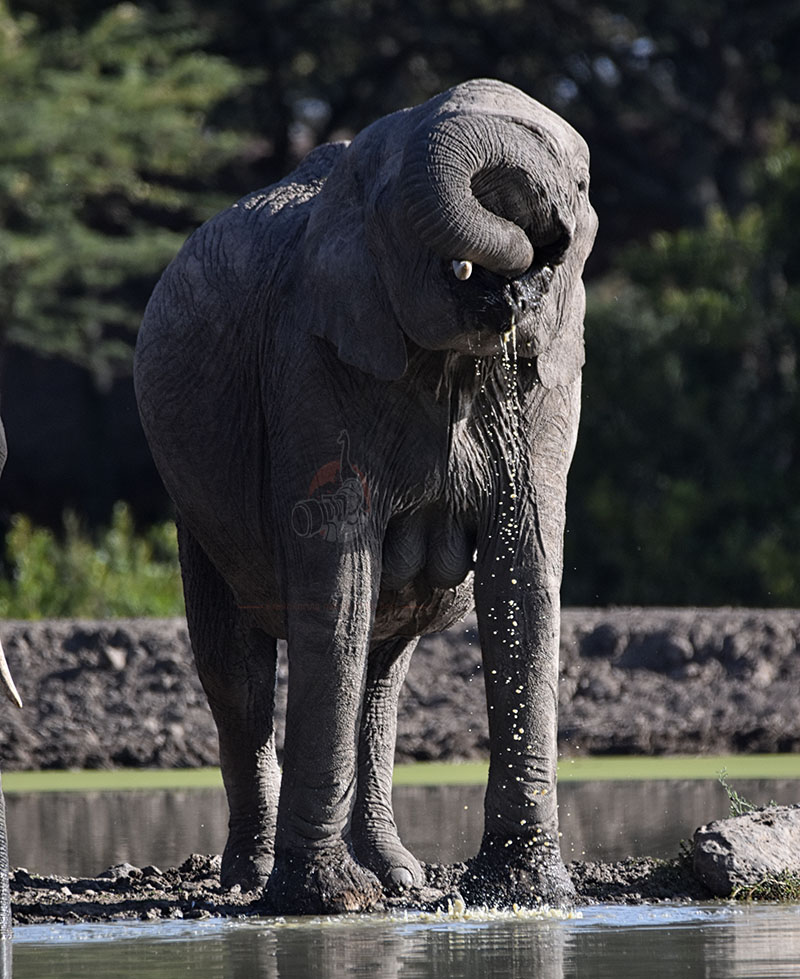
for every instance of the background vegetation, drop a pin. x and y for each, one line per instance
(123, 126)
(111, 572)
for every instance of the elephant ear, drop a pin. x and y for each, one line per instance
(560, 364)
(350, 307)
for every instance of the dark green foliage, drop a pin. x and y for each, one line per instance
(105, 163)
(671, 97)
(110, 572)
(686, 486)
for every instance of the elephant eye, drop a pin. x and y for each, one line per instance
(583, 184)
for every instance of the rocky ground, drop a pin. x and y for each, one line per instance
(644, 681)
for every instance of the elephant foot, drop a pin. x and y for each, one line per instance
(522, 871)
(394, 866)
(245, 868)
(326, 881)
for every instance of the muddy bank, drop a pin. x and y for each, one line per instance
(192, 891)
(645, 681)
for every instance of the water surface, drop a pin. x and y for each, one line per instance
(80, 834)
(606, 942)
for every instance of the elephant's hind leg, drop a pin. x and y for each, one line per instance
(236, 664)
(374, 833)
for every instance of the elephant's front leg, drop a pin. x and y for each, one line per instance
(519, 861)
(330, 619)
(517, 585)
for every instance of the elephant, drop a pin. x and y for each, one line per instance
(361, 388)
(9, 689)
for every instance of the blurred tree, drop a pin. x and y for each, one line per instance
(672, 97)
(106, 160)
(686, 483)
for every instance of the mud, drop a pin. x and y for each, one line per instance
(192, 891)
(124, 693)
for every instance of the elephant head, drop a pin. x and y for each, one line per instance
(456, 221)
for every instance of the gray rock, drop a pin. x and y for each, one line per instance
(120, 871)
(742, 850)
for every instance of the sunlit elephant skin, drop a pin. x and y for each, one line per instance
(8, 688)
(361, 387)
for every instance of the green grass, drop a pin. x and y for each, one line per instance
(679, 767)
(782, 886)
(116, 780)
(427, 773)
(621, 767)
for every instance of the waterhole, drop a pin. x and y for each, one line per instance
(82, 833)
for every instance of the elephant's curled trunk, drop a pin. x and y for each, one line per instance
(481, 189)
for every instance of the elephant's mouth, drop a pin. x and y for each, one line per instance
(524, 296)
(493, 305)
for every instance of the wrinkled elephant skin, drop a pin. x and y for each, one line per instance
(361, 387)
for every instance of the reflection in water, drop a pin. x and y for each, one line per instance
(82, 834)
(605, 943)
(375, 948)
(611, 821)
(747, 942)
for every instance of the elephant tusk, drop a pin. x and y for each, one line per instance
(7, 682)
(462, 270)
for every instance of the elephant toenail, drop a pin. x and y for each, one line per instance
(400, 878)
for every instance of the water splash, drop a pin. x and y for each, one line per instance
(457, 910)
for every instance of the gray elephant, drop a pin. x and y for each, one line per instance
(361, 387)
(9, 689)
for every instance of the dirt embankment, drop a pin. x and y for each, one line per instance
(645, 681)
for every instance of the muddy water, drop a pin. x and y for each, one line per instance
(81, 834)
(605, 942)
